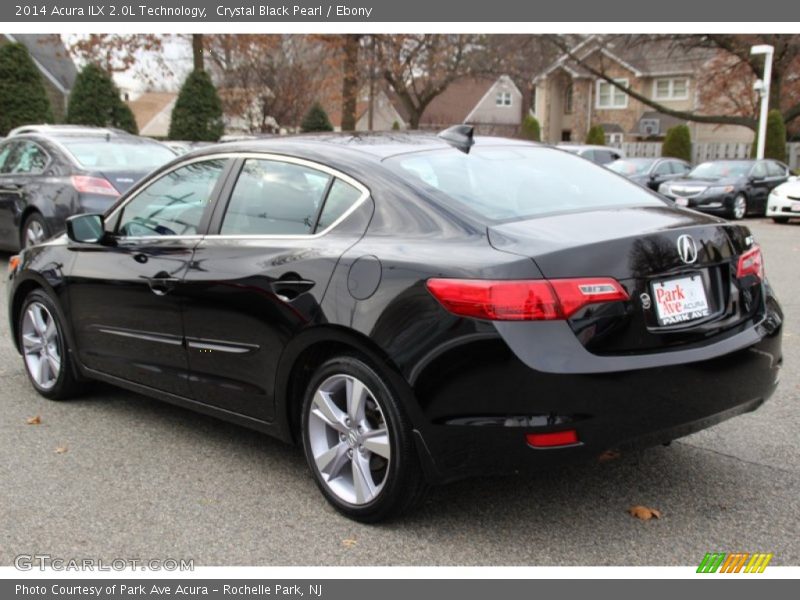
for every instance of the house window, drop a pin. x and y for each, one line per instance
(568, 94)
(614, 139)
(671, 88)
(533, 100)
(609, 96)
(503, 99)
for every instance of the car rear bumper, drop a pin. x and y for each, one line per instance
(485, 402)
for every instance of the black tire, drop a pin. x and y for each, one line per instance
(781, 220)
(66, 384)
(404, 485)
(33, 222)
(732, 212)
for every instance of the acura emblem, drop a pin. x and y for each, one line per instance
(687, 249)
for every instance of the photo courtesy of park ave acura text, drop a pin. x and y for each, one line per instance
(397, 299)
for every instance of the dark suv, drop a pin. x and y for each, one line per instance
(50, 172)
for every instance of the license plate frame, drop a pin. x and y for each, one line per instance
(680, 300)
(681, 201)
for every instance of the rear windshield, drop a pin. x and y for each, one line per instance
(514, 182)
(118, 154)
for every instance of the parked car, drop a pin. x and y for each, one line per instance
(650, 172)
(784, 201)
(48, 173)
(602, 155)
(730, 188)
(411, 309)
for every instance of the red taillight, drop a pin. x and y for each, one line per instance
(93, 185)
(751, 263)
(523, 300)
(554, 438)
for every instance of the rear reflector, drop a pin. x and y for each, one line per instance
(93, 185)
(751, 263)
(13, 263)
(523, 300)
(555, 438)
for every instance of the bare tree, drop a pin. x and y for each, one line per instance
(419, 67)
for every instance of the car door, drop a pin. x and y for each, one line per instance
(661, 172)
(258, 278)
(20, 182)
(9, 195)
(125, 295)
(759, 188)
(776, 174)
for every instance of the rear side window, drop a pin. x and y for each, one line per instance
(502, 183)
(340, 198)
(25, 158)
(275, 198)
(173, 204)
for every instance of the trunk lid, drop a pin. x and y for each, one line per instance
(639, 247)
(122, 179)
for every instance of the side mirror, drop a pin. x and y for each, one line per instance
(756, 178)
(86, 228)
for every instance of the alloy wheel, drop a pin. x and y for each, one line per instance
(41, 345)
(34, 233)
(739, 207)
(349, 439)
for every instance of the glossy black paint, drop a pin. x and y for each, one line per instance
(233, 327)
(755, 188)
(49, 191)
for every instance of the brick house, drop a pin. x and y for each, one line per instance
(54, 63)
(567, 99)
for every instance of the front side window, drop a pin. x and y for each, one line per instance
(663, 168)
(275, 198)
(775, 170)
(174, 204)
(610, 96)
(679, 168)
(500, 183)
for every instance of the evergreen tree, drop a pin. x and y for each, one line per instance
(316, 119)
(775, 146)
(596, 136)
(531, 130)
(678, 143)
(23, 98)
(95, 100)
(197, 116)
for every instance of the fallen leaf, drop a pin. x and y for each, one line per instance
(34, 420)
(609, 455)
(349, 542)
(61, 450)
(644, 513)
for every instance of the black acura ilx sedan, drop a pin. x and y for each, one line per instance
(410, 308)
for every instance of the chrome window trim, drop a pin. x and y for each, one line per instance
(365, 194)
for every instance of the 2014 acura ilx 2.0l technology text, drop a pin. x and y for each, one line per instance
(411, 308)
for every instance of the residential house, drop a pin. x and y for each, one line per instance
(152, 111)
(51, 57)
(492, 104)
(568, 99)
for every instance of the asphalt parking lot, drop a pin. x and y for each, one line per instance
(142, 479)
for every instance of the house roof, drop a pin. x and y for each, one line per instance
(148, 107)
(455, 104)
(644, 57)
(51, 57)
